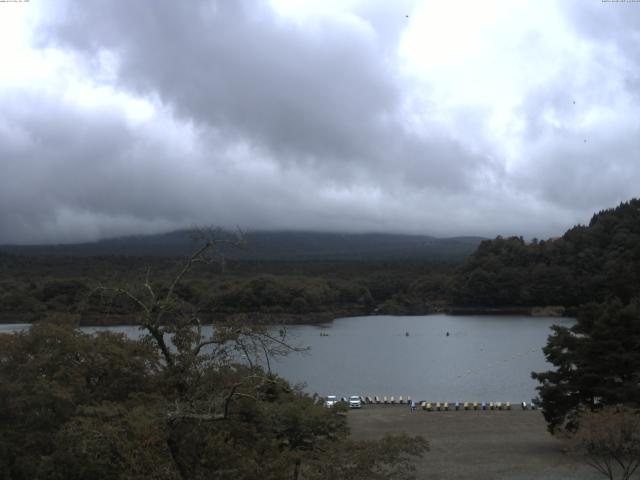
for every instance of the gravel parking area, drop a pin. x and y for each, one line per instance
(488, 445)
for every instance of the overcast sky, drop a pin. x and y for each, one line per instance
(477, 117)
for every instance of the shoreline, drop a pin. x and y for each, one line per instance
(266, 318)
(531, 311)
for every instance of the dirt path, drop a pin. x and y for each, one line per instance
(480, 445)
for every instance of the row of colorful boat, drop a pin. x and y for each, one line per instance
(445, 406)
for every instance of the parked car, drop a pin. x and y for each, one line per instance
(354, 401)
(330, 401)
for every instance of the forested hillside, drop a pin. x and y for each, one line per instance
(270, 245)
(588, 263)
(36, 288)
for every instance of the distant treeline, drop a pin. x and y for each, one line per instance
(81, 288)
(587, 264)
(269, 246)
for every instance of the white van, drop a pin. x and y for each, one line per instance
(330, 401)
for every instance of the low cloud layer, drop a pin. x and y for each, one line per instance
(119, 118)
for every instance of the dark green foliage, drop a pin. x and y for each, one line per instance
(47, 374)
(588, 263)
(65, 291)
(292, 274)
(269, 293)
(596, 361)
(78, 406)
(31, 288)
(112, 440)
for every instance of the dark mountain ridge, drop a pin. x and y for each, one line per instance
(271, 245)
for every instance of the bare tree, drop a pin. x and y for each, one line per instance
(610, 441)
(189, 352)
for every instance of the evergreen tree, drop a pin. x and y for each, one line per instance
(597, 363)
(588, 263)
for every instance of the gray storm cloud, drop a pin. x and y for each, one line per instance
(262, 121)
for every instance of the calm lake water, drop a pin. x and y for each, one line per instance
(484, 358)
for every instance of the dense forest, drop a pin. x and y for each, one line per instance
(38, 287)
(271, 276)
(588, 263)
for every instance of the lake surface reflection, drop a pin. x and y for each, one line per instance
(484, 358)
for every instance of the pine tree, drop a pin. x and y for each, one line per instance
(597, 363)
